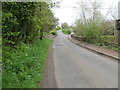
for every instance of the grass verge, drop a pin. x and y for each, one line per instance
(23, 65)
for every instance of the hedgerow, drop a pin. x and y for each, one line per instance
(23, 65)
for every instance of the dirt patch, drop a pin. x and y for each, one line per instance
(49, 76)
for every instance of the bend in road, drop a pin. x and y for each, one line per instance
(77, 67)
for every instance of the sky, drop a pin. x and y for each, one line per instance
(68, 14)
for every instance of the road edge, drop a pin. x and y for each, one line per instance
(72, 40)
(49, 80)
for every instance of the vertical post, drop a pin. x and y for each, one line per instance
(118, 23)
(118, 44)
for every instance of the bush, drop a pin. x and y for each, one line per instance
(79, 28)
(58, 28)
(54, 32)
(92, 32)
(23, 65)
(66, 31)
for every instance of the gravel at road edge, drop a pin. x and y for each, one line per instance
(49, 76)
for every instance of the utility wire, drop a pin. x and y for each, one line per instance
(88, 8)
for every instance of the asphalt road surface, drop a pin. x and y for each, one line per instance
(77, 67)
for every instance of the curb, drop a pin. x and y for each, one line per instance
(99, 52)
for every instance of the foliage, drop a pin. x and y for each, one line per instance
(79, 28)
(110, 46)
(54, 32)
(1, 76)
(94, 27)
(24, 54)
(64, 26)
(49, 22)
(26, 21)
(66, 31)
(92, 32)
(23, 64)
(107, 27)
(58, 28)
(101, 33)
(108, 38)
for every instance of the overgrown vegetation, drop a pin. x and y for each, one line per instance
(58, 28)
(94, 27)
(26, 22)
(92, 32)
(23, 64)
(66, 31)
(54, 32)
(64, 26)
(24, 25)
(109, 41)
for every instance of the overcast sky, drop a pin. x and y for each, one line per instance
(68, 14)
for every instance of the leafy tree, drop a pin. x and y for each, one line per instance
(58, 28)
(64, 26)
(92, 32)
(22, 24)
(26, 21)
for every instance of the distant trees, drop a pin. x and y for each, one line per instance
(64, 26)
(58, 28)
(26, 21)
(107, 28)
(92, 25)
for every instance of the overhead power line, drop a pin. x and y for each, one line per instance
(88, 8)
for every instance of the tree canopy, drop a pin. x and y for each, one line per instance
(26, 21)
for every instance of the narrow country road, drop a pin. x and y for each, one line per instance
(77, 67)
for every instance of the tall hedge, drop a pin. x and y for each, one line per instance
(26, 21)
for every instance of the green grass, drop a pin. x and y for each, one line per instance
(0, 76)
(113, 47)
(23, 65)
(109, 38)
(0, 48)
(0, 61)
(66, 31)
